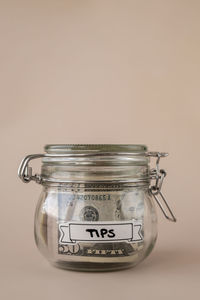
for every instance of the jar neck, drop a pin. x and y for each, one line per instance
(80, 173)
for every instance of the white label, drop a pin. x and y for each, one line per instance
(73, 232)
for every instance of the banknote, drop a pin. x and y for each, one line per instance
(87, 204)
(100, 250)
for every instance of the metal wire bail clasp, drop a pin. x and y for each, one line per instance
(155, 190)
(25, 172)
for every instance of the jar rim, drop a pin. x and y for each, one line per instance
(95, 148)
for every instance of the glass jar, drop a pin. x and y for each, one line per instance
(96, 210)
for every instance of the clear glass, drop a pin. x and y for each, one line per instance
(94, 202)
(95, 212)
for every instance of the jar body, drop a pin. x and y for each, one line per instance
(119, 220)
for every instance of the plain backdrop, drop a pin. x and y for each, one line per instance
(87, 71)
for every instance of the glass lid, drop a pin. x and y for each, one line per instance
(94, 148)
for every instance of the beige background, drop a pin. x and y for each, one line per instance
(101, 72)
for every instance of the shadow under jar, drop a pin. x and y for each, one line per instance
(96, 210)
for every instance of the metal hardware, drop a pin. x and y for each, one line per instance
(25, 172)
(169, 217)
(155, 190)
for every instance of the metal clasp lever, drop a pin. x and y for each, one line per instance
(25, 172)
(155, 190)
